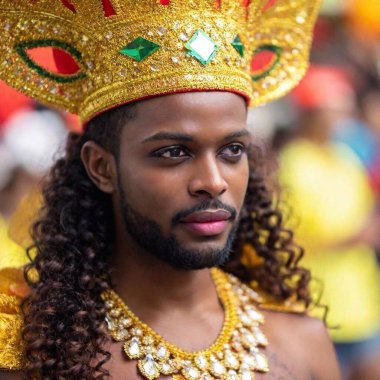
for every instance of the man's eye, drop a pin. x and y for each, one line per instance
(174, 152)
(233, 150)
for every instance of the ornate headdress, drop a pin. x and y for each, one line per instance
(111, 52)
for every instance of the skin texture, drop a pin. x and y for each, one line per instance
(182, 305)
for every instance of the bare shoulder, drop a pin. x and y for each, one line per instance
(302, 344)
(10, 375)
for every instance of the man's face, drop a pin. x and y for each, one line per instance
(182, 176)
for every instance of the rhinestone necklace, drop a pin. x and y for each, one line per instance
(235, 355)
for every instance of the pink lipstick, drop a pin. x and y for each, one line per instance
(207, 223)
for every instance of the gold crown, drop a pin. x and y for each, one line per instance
(126, 50)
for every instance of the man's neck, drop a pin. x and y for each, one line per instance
(149, 286)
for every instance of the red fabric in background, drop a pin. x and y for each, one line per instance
(11, 101)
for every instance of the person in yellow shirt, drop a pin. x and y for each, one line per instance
(332, 209)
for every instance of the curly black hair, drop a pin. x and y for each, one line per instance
(63, 332)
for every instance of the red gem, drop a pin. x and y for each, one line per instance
(108, 8)
(68, 5)
(262, 61)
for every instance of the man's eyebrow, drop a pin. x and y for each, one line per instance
(187, 138)
(168, 136)
(234, 135)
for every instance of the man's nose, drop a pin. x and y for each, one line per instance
(208, 178)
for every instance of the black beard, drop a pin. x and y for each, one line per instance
(148, 234)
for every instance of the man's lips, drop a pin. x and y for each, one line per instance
(207, 216)
(207, 223)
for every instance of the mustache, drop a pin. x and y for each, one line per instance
(206, 205)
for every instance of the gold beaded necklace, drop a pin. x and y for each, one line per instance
(235, 355)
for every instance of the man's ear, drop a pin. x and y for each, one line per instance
(100, 166)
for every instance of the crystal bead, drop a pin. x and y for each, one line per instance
(132, 348)
(110, 323)
(238, 45)
(261, 362)
(90, 64)
(236, 345)
(54, 90)
(109, 35)
(41, 84)
(161, 30)
(247, 338)
(7, 26)
(149, 367)
(201, 362)
(255, 315)
(136, 331)
(139, 49)
(301, 18)
(205, 376)
(245, 319)
(154, 67)
(232, 375)
(183, 36)
(217, 368)
(231, 360)
(295, 51)
(175, 60)
(260, 337)
(191, 373)
(166, 368)
(162, 352)
(249, 360)
(109, 304)
(120, 335)
(202, 47)
(245, 374)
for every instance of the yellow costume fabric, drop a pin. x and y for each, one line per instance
(12, 290)
(11, 320)
(11, 254)
(330, 200)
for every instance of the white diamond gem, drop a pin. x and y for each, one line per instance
(203, 46)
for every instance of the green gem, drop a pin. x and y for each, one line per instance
(238, 45)
(202, 47)
(139, 49)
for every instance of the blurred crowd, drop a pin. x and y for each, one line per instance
(325, 139)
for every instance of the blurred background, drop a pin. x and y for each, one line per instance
(324, 141)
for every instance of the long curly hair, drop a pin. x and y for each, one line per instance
(72, 240)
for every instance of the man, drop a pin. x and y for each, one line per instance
(149, 201)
